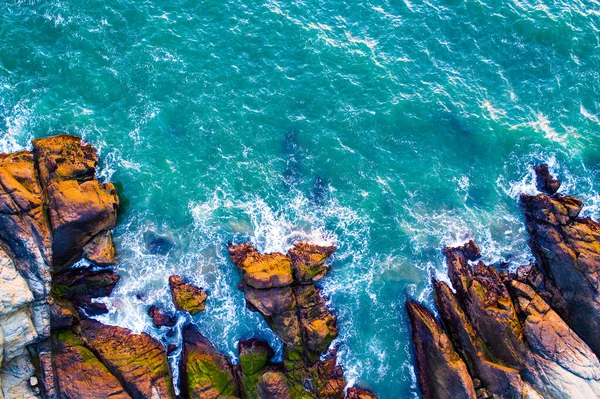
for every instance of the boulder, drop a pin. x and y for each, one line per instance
(80, 374)
(273, 385)
(254, 357)
(79, 206)
(441, 372)
(137, 360)
(568, 250)
(545, 182)
(359, 393)
(186, 297)
(206, 374)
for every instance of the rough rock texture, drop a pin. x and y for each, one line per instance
(280, 287)
(254, 357)
(137, 360)
(80, 374)
(544, 180)
(160, 318)
(441, 372)
(358, 393)
(79, 206)
(206, 374)
(568, 250)
(100, 250)
(186, 297)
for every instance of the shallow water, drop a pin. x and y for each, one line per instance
(389, 128)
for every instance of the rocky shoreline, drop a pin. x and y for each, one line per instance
(533, 333)
(53, 213)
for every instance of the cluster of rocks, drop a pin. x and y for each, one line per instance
(534, 333)
(53, 213)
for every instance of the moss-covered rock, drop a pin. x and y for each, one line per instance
(79, 372)
(187, 297)
(138, 360)
(206, 374)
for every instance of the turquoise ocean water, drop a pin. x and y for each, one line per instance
(389, 128)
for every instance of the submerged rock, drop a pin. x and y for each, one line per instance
(157, 244)
(186, 297)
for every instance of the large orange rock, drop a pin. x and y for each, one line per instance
(260, 270)
(137, 360)
(79, 206)
(80, 374)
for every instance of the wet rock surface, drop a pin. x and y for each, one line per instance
(186, 297)
(532, 333)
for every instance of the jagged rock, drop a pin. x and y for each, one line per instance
(79, 206)
(137, 360)
(359, 393)
(261, 271)
(563, 364)
(80, 374)
(308, 261)
(186, 297)
(206, 374)
(45, 370)
(442, 373)
(544, 180)
(100, 250)
(500, 380)
(24, 228)
(14, 289)
(18, 331)
(296, 312)
(568, 250)
(488, 306)
(160, 318)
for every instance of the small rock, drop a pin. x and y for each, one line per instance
(545, 181)
(160, 318)
(187, 297)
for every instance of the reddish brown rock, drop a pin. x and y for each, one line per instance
(442, 373)
(273, 385)
(544, 180)
(206, 374)
(186, 297)
(137, 360)
(568, 250)
(100, 250)
(488, 307)
(80, 286)
(160, 318)
(80, 374)
(79, 206)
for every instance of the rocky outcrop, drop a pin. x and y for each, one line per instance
(79, 206)
(521, 334)
(567, 248)
(442, 373)
(206, 374)
(137, 360)
(160, 318)
(186, 297)
(281, 288)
